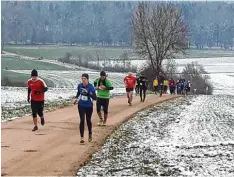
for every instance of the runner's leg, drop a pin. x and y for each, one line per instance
(141, 93)
(81, 111)
(89, 112)
(144, 93)
(40, 112)
(98, 107)
(128, 90)
(161, 90)
(131, 96)
(105, 109)
(34, 114)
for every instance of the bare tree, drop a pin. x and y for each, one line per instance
(124, 57)
(100, 55)
(197, 75)
(171, 67)
(2, 46)
(80, 59)
(97, 57)
(159, 32)
(193, 69)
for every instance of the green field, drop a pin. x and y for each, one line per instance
(10, 78)
(15, 77)
(55, 52)
(13, 63)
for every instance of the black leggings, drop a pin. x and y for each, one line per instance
(85, 112)
(171, 89)
(144, 93)
(137, 89)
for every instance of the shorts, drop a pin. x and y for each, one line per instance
(129, 89)
(37, 108)
(102, 102)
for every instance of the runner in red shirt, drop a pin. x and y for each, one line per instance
(130, 83)
(172, 86)
(36, 90)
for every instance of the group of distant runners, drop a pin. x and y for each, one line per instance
(180, 86)
(99, 91)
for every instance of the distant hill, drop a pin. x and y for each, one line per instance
(107, 23)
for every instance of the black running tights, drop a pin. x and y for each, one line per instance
(85, 112)
(144, 94)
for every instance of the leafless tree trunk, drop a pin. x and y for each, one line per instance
(2, 46)
(97, 57)
(124, 57)
(171, 67)
(100, 55)
(159, 32)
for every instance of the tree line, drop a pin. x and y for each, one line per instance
(210, 24)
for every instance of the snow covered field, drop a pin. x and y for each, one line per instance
(66, 81)
(222, 64)
(187, 136)
(65, 86)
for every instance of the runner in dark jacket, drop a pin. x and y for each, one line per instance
(160, 83)
(143, 87)
(137, 89)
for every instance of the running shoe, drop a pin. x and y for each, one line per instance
(90, 138)
(104, 123)
(35, 129)
(100, 122)
(82, 140)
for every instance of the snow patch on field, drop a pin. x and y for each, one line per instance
(153, 144)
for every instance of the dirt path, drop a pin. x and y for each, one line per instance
(54, 149)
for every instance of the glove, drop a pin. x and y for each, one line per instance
(28, 99)
(37, 92)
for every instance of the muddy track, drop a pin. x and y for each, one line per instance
(54, 149)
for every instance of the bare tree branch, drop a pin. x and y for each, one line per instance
(159, 32)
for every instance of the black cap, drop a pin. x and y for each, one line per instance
(102, 73)
(34, 73)
(85, 75)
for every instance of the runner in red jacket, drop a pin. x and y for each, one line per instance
(172, 86)
(130, 83)
(36, 90)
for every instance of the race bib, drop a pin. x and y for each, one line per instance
(84, 98)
